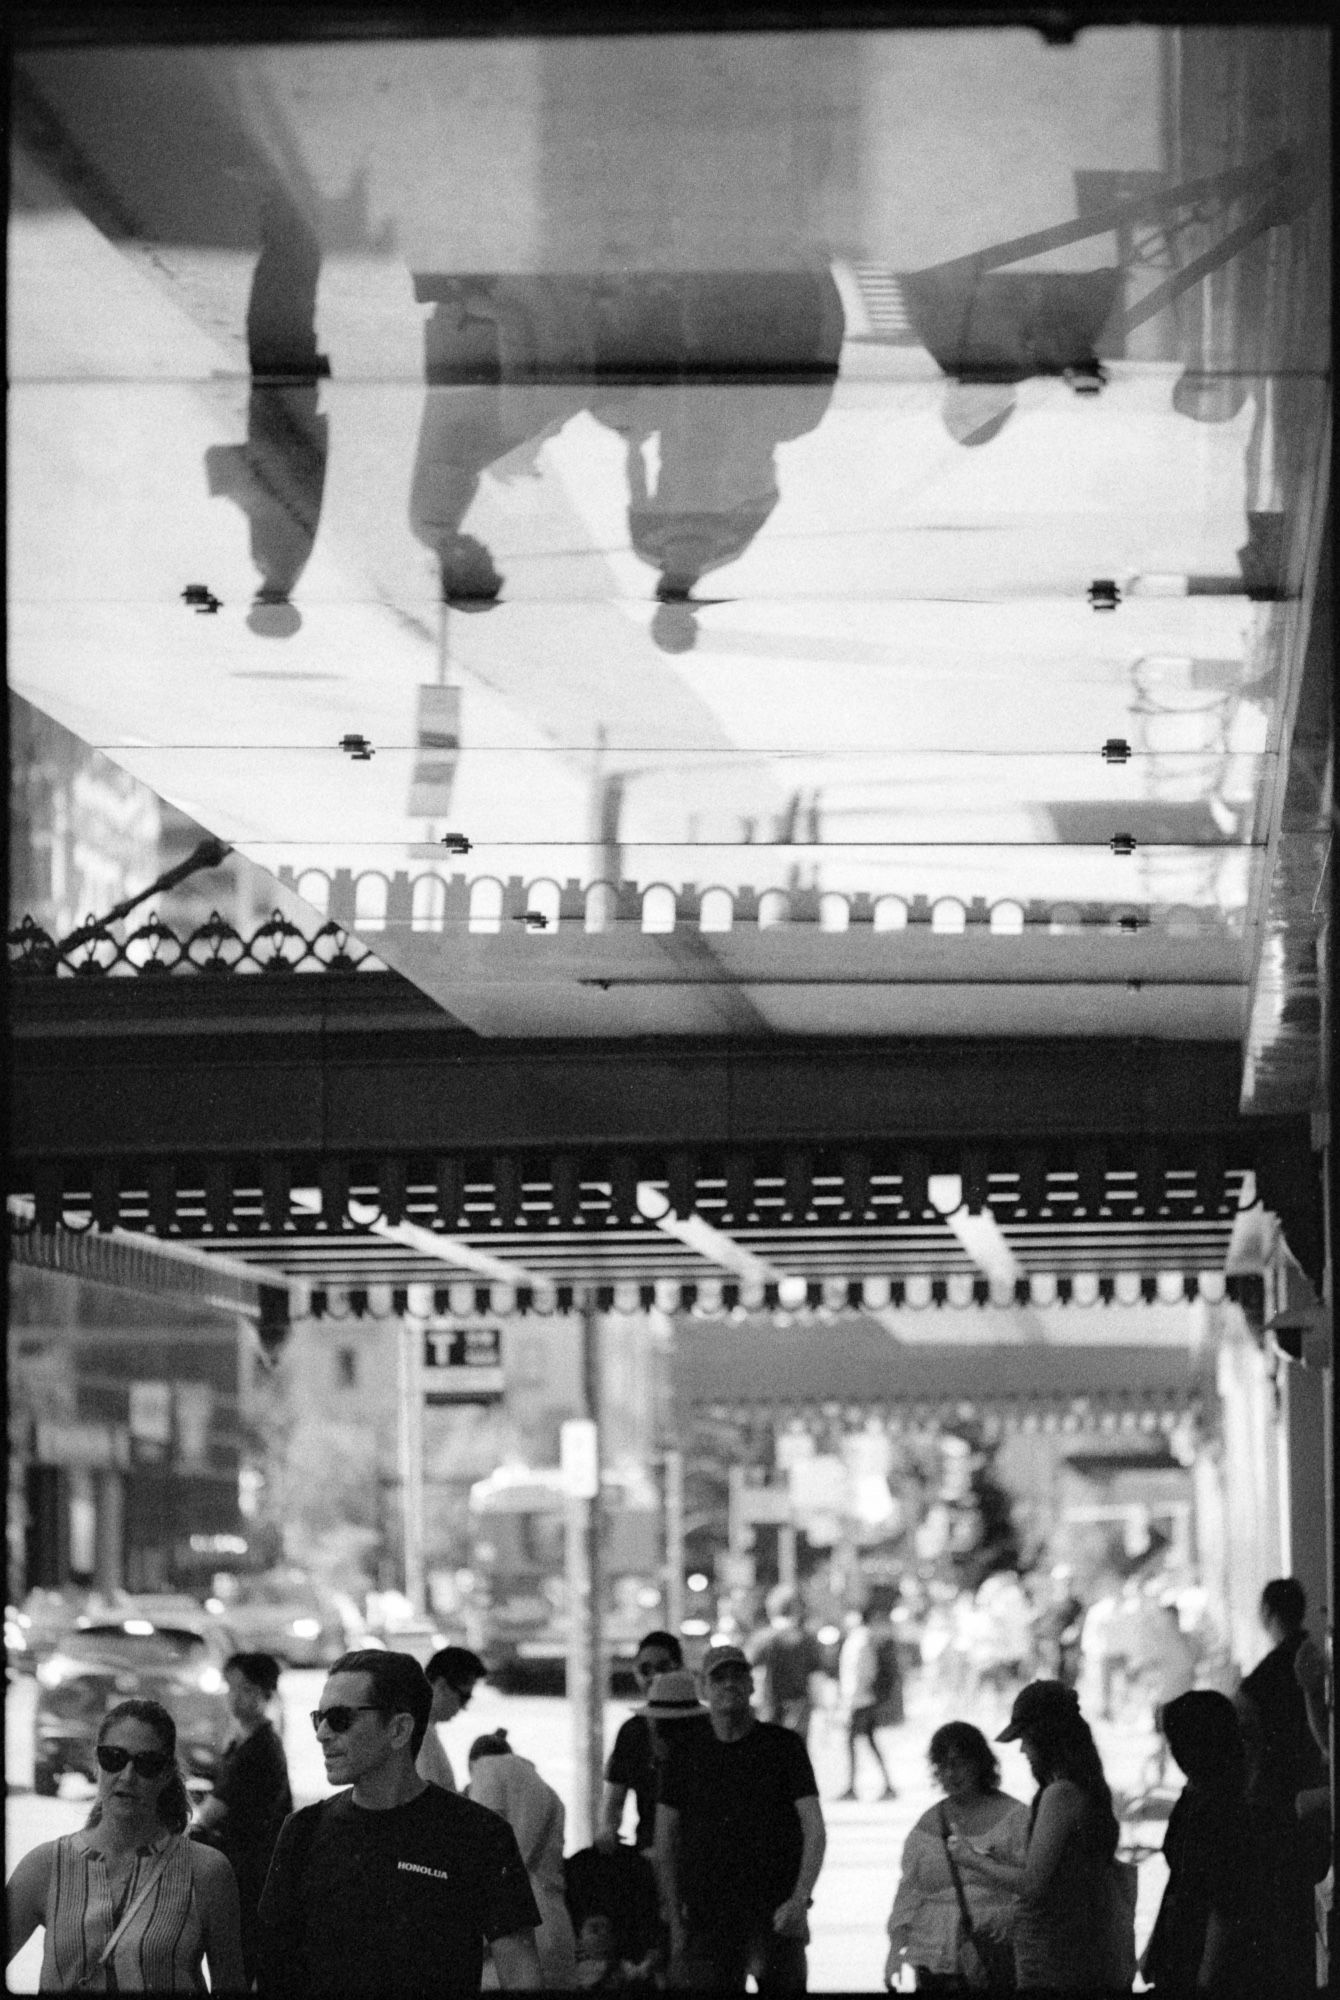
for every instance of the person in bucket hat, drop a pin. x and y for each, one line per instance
(633, 1759)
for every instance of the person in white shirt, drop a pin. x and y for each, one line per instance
(925, 1925)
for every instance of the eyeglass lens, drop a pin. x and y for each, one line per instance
(148, 1763)
(340, 1718)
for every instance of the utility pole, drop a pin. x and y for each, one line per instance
(674, 1539)
(581, 1455)
(410, 1440)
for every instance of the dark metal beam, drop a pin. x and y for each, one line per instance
(118, 1068)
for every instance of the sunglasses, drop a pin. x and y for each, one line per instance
(647, 1670)
(148, 1763)
(340, 1719)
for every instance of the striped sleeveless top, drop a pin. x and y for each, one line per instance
(161, 1949)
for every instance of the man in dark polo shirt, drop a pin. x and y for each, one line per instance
(739, 1841)
(392, 1887)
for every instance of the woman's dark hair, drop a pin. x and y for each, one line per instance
(495, 1744)
(1066, 1749)
(399, 1685)
(1204, 1735)
(174, 1807)
(963, 1739)
(664, 1642)
(261, 1669)
(1285, 1599)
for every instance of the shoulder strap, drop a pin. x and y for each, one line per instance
(956, 1878)
(152, 1883)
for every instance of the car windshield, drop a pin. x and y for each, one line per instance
(163, 1645)
(277, 1590)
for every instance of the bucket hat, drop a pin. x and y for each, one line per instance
(672, 1698)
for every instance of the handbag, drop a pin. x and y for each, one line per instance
(987, 1962)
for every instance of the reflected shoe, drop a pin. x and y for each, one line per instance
(848, 1794)
(888, 1793)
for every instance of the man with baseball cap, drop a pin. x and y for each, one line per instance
(739, 1841)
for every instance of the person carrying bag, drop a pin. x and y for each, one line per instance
(987, 1961)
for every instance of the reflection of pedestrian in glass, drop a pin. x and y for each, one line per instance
(507, 362)
(752, 358)
(278, 476)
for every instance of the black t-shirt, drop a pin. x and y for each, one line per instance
(400, 1902)
(636, 1760)
(632, 1762)
(253, 1783)
(1214, 1851)
(740, 1838)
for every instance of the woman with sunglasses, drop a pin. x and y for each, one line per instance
(129, 1904)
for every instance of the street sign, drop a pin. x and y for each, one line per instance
(579, 1458)
(462, 1364)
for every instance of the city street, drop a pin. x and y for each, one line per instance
(864, 1839)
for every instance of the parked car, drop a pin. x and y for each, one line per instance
(177, 1660)
(284, 1612)
(48, 1615)
(410, 1635)
(18, 1653)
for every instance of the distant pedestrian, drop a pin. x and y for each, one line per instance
(1210, 1936)
(453, 1674)
(1284, 1759)
(1064, 1927)
(927, 1927)
(251, 1797)
(632, 1761)
(792, 1663)
(739, 1841)
(869, 1691)
(394, 1887)
(511, 1786)
(129, 1905)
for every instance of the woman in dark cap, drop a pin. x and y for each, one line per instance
(1063, 1926)
(1209, 1934)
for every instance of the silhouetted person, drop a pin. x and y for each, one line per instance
(1209, 1936)
(1283, 1760)
(278, 476)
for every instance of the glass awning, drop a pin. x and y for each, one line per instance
(825, 518)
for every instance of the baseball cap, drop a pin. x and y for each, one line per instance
(1037, 1705)
(722, 1656)
(672, 1698)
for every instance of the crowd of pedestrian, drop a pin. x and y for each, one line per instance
(401, 1884)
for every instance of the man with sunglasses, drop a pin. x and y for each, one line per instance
(393, 1887)
(451, 1674)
